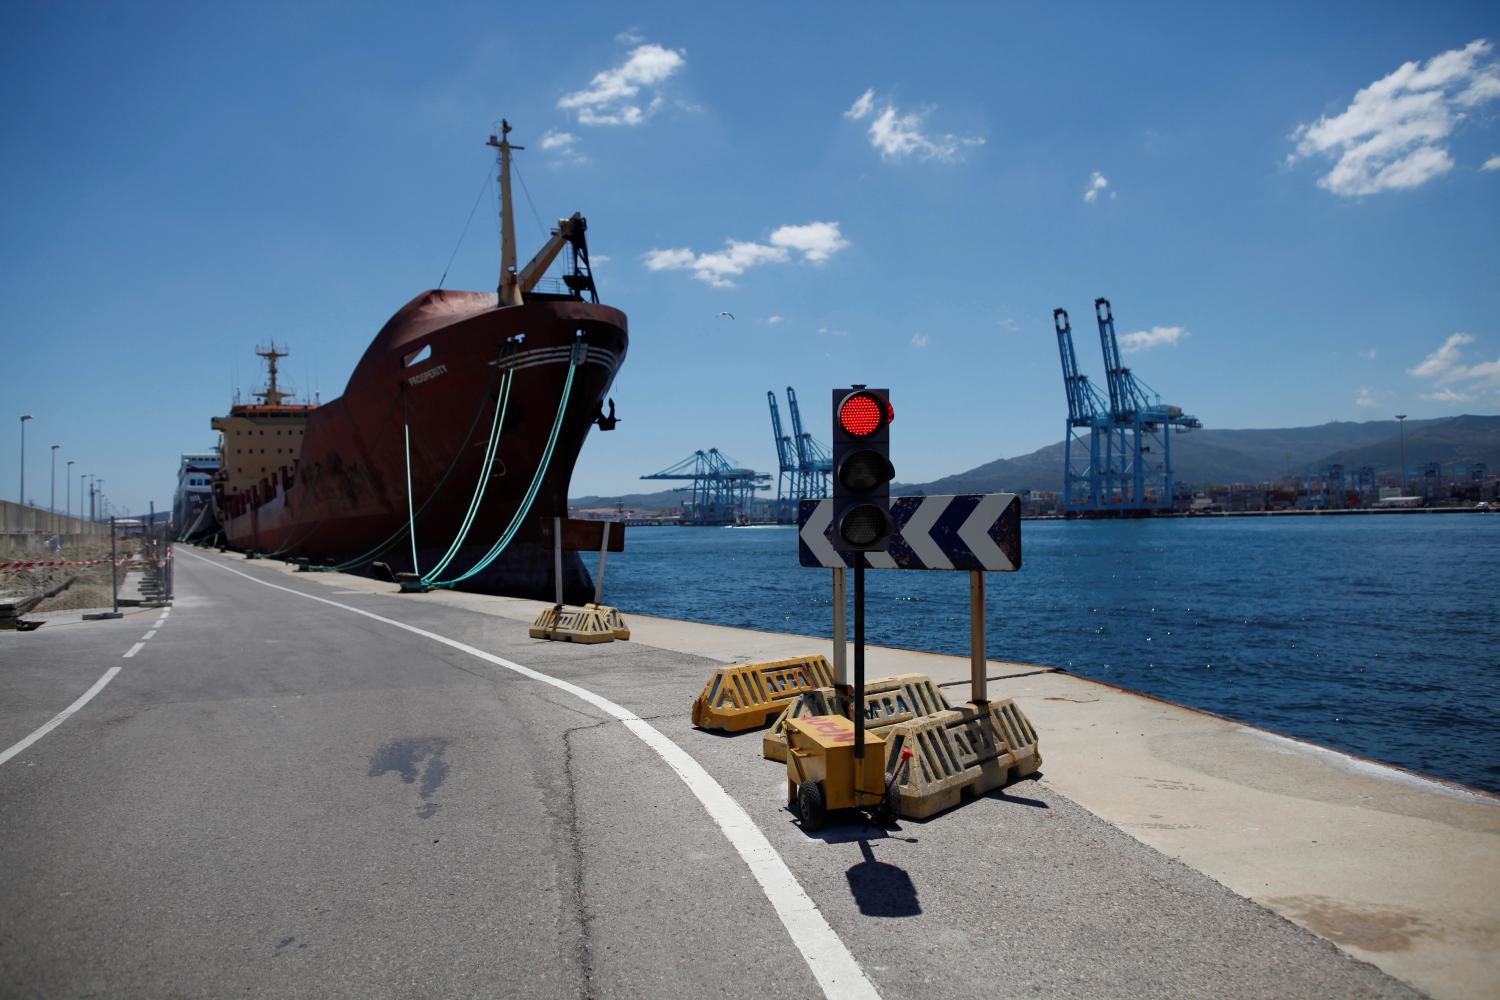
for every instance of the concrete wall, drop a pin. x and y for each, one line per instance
(18, 521)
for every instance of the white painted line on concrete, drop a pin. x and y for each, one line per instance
(62, 716)
(134, 649)
(148, 635)
(825, 953)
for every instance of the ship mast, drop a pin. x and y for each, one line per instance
(510, 292)
(272, 395)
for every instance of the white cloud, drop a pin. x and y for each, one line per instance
(599, 258)
(1365, 398)
(1445, 367)
(898, 135)
(1142, 340)
(629, 37)
(862, 107)
(1442, 359)
(775, 318)
(1486, 373)
(1493, 163)
(1009, 325)
(1447, 395)
(824, 331)
(563, 145)
(611, 98)
(815, 241)
(919, 340)
(1391, 135)
(1369, 354)
(1097, 185)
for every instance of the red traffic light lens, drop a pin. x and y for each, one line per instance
(860, 414)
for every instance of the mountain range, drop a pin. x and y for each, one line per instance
(1218, 457)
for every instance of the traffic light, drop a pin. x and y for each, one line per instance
(862, 470)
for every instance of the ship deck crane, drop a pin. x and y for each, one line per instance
(722, 492)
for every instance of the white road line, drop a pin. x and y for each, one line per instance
(134, 649)
(829, 960)
(148, 635)
(62, 716)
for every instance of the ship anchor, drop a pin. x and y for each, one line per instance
(607, 423)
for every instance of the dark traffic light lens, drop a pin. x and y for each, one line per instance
(865, 470)
(860, 414)
(865, 524)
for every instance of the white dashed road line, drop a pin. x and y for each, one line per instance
(825, 953)
(62, 716)
(134, 649)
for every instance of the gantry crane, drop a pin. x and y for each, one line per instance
(814, 462)
(785, 510)
(721, 491)
(1088, 429)
(1137, 462)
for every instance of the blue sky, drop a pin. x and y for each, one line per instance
(1290, 206)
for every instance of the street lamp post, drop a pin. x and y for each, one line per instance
(24, 417)
(1401, 423)
(68, 490)
(52, 496)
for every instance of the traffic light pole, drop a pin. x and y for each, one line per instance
(859, 657)
(840, 638)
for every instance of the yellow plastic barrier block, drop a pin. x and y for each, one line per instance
(612, 618)
(572, 625)
(960, 754)
(751, 695)
(888, 701)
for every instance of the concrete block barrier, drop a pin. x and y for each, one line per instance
(888, 701)
(959, 754)
(751, 695)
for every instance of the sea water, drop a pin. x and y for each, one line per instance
(1376, 634)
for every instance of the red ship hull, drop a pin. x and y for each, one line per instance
(346, 502)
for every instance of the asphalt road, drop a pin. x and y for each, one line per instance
(279, 797)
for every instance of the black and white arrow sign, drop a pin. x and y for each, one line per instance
(969, 531)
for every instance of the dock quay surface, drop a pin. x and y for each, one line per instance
(311, 785)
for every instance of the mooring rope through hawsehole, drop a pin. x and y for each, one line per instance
(536, 482)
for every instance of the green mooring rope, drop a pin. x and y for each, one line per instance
(536, 481)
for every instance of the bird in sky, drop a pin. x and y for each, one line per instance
(729, 314)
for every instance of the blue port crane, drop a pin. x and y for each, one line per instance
(722, 491)
(1327, 487)
(1088, 427)
(785, 511)
(1136, 476)
(814, 461)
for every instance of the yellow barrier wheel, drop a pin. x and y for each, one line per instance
(811, 805)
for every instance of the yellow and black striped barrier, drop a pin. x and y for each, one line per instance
(751, 695)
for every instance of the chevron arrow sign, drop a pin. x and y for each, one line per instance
(968, 531)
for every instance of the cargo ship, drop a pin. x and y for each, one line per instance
(451, 449)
